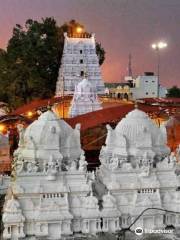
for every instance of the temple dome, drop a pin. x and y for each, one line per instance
(135, 123)
(140, 131)
(12, 211)
(136, 136)
(47, 131)
(50, 137)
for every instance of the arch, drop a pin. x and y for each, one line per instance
(126, 96)
(119, 95)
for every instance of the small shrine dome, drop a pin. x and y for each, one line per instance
(134, 123)
(44, 131)
(140, 131)
(50, 136)
(12, 211)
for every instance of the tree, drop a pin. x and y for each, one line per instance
(29, 67)
(174, 92)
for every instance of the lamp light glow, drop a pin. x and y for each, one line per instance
(2, 128)
(79, 29)
(159, 45)
(30, 114)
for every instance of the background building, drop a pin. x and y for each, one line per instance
(143, 86)
(146, 86)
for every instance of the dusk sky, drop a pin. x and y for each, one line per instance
(122, 26)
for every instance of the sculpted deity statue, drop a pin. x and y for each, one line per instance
(82, 162)
(51, 166)
(114, 163)
(73, 166)
(18, 162)
(122, 160)
(102, 156)
(21, 131)
(145, 171)
(32, 167)
(91, 178)
(109, 135)
(172, 159)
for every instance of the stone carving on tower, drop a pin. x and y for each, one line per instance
(79, 53)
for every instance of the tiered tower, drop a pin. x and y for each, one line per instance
(79, 55)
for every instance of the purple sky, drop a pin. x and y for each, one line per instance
(122, 26)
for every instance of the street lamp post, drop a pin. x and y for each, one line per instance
(158, 46)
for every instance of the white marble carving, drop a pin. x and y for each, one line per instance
(53, 195)
(137, 167)
(84, 99)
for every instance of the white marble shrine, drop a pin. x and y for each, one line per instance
(84, 99)
(53, 195)
(139, 171)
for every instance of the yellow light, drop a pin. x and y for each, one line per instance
(2, 128)
(79, 30)
(159, 45)
(30, 114)
(154, 46)
(162, 45)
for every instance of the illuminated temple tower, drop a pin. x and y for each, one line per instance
(79, 55)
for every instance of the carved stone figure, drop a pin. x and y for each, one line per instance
(21, 131)
(114, 163)
(103, 156)
(20, 164)
(172, 158)
(51, 166)
(73, 166)
(109, 138)
(84, 99)
(91, 179)
(82, 163)
(31, 167)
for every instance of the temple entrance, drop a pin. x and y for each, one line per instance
(126, 96)
(119, 95)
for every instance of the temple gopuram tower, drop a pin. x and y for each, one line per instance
(79, 56)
